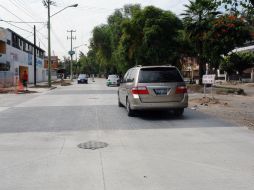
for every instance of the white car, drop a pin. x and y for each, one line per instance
(113, 80)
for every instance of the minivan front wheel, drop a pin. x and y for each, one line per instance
(119, 103)
(130, 112)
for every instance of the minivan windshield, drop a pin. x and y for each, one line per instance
(159, 75)
(82, 76)
(112, 76)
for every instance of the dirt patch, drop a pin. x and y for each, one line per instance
(7, 90)
(229, 90)
(62, 83)
(235, 109)
(26, 92)
(195, 88)
(14, 91)
(207, 101)
(40, 86)
(249, 85)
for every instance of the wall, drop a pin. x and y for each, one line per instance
(19, 58)
(6, 79)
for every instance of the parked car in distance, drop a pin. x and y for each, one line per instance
(153, 88)
(113, 80)
(82, 78)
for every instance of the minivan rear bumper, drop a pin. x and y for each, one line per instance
(136, 104)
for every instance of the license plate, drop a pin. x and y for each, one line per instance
(162, 91)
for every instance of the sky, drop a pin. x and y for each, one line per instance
(82, 19)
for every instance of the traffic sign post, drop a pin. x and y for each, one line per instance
(208, 79)
(71, 53)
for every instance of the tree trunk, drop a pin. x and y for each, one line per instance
(201, 69)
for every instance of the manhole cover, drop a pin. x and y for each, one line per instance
(92, 145)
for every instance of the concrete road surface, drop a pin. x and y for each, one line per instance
(40, 134)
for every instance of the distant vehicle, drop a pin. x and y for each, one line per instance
(82, 78)
(153, 88)
(113, 80)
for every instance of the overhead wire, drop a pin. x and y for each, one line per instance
(58, 40)
(19, 22)
(36, 31)
(23, 22)
(30, 10)
(41, 42)
(26, 10)
(16, 26)
(14, 15)
(20, 7)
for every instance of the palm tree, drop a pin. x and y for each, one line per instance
(197, 17)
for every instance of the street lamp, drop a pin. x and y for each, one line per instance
(75, 49)
(47, 3)
(74, 5)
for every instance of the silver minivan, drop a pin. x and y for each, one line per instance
(153, 88)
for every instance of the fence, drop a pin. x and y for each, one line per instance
(6, 79)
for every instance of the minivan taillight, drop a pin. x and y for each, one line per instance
(181, 90)
(139, 90)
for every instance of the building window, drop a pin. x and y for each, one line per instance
(2, 47)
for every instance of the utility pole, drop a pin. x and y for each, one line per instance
(71, 52)
(35, 55)
(49, 45)
(47, 4)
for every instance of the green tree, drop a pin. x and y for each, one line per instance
(137, 36)
(244, 8)
(213, 33)
(151, 37)
(237, 62)
(197, 19)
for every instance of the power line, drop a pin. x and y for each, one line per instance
(14, 15)
(58, 40)
(16, 26)
(42, 42)
(30, 10)
(94, 8)
(20, 7)
(37, 30)
(19, 22)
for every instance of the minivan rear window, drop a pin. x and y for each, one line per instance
(159, 75)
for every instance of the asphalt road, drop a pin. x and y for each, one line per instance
(39, 135)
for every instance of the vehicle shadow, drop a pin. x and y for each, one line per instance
(158, 115)
(164, 119)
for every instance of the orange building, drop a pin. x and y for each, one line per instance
(54, 62)
(190, 68)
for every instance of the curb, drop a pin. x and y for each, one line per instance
(53, 87)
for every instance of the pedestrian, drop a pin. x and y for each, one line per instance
(25, 79)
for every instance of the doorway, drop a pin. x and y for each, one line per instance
(22, 69)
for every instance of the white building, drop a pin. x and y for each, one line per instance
(17, 56)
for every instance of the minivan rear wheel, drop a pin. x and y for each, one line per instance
(178, 112)
(130, 112)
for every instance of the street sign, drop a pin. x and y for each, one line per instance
(71, 52)
(208, 79)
